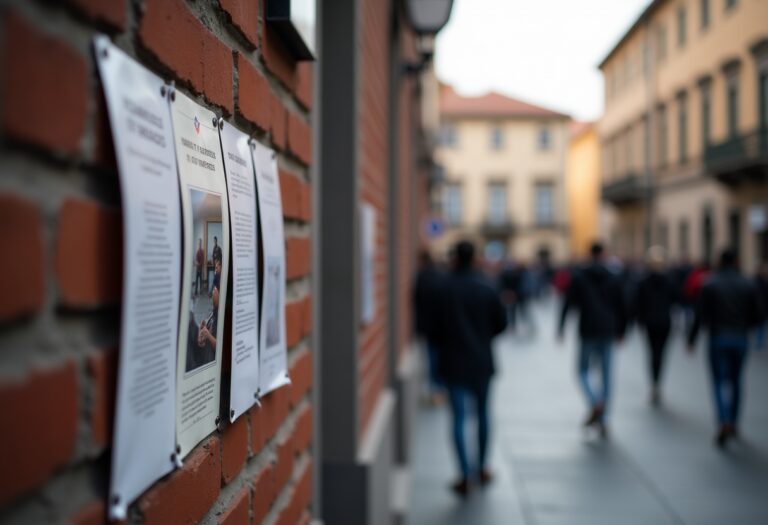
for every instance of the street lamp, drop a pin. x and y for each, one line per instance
(429, 16)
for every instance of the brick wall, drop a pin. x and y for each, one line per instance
(373, 165)
(60, 270)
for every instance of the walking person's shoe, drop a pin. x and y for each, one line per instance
(461, 487)
(485, 477)
(724, 433)
(595, 415)
(603, 429)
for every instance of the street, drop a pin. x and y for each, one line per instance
(658, 467)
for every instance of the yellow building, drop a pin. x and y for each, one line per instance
(504, 164)
(683, 139)
(582, 182)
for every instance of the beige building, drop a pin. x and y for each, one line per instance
(504, 165)
(683, 140)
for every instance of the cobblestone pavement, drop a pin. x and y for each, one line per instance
(659, 467)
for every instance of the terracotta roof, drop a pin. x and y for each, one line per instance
(490, 105)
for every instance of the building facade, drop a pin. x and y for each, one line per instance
(683, 137)
(504, 176)
(582, 180)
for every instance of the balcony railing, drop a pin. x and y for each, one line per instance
(497, 228)
(628, 189)
(739, 158)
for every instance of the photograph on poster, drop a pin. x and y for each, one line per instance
(207, 260)
(272, 300)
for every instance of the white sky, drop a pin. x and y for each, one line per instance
(542, 51)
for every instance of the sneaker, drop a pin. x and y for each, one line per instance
(461, 487)
(603, 429)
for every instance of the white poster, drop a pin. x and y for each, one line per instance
(273, 361)
(204, 270)
(144, 439)
(241, 189)
(367, 262)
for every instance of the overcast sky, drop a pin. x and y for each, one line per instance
(542, 51)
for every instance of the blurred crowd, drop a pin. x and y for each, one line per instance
(462, 304)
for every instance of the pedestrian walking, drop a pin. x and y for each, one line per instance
(469, 316)
(429, 280)
(729, 306)
(654, 299)
(598, 296)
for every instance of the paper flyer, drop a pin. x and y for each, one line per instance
(241, 189)
(144, 435)
(205, 264)
(273, 360)
(368, 262)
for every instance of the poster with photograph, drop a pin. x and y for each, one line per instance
(241, 188)
(367, 262)
(273, 362)
(144, 435)
(205, 263)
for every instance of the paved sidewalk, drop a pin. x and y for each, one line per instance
(659, 467)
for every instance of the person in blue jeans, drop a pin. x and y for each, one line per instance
(596, 294)
(468, 315)
(729, 306)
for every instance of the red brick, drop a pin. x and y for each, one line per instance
(88, 254)
(94, 513)
(296, 197)
(284, 465)
(112, 12)
(22, 275)
(181, 42)
(187, 494)
(264, 493)
(237, 513)
(297, 257)
(299, 139)
(277, 57)
(102, 367)
(302, 431)
(293, 312)
(43, 411)
(304, 80)
(244, 16)
(305, 202)
(306, 315)
(253, 94)
(39, 73)
(278, 116)
(234, 449)
(265, 420)
(301, 495)
(301, 377)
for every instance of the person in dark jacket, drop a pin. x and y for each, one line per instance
(597, 295)
(426, 291)
(469, 315)
(729, 306)
(653, 302)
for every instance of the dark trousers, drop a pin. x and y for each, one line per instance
(727, 355)
(657, 343)
(198, 280)
(457, 394)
